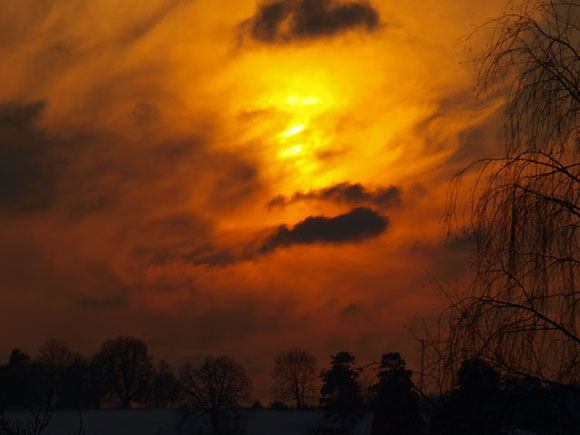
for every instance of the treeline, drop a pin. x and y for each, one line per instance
(482, 402)
(122, 374)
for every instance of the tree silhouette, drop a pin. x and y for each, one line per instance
(341, 396)
(80, 386)
(76, 383)
(29, 386)
(56, 353)
(125, 369)
(393, 401)
(475, 406)
(217, 389)
(164, 389)
(15, 380)
(521, 313)
(294, 377)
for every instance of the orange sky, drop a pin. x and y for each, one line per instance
(150, 153)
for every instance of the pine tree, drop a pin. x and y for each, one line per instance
(394, 403)
(341, 396)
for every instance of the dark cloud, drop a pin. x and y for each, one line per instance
(358, 224)
(31, 162)
(352, 194)
(286, 20)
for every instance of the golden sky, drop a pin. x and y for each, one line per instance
(233, 177)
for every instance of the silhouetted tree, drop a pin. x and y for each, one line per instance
(80, 386)
(73, 377)
(525, 218)
(56, 353)
(30, 386)
(163, 392)
(125, 368)
(393, 401)
(43, 381)
(217, 389)
(475, 406)
(341, 396)
(17, 387)
(522, 313)
(294, 377)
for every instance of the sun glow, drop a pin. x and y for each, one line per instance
(290, 152)
(305, 137)
(292, 131)
(295, 100)
(294, 118)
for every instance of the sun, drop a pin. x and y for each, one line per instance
(293, 105)
(298, 141)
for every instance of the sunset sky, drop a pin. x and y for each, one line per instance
(233, 177)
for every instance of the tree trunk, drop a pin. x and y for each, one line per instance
(215, 422)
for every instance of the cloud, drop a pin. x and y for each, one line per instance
(286, 20)
(31, 161)
(358, 224)
(347, 193)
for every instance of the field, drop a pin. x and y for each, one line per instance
(164, 422)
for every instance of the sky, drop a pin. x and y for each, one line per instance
(234, 177)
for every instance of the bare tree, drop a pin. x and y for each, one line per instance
(28, 386)
(164, 389)
(523, 213)
(56, 353)
(125, 367)
(217, 389)
(294, 377)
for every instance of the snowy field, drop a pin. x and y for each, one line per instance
(164, 422)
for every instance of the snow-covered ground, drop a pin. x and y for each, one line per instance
(164, 422)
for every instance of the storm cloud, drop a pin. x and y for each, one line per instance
(287, 20)
(345, 193)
